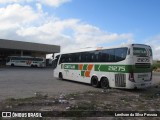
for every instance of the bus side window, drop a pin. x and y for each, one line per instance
(70, 58)
(111, 56)
(83, 57)
(104, 57)
(96, 57)
(88, 57)
(75, 57)
(120, 54)
(66, 58)
(79, 57)
(61, 59)
(92, 57)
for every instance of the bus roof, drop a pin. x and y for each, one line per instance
(101, 48)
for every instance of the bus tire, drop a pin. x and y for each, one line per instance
(32, 65)
(104, 83)
(60, 76)
(12, 65)
(95, 82)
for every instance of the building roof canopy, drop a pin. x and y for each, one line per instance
(19, 45)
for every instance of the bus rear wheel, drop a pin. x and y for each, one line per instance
(60, 76)
(95, 82)
(105, 83)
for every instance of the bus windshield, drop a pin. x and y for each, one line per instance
(144, 52)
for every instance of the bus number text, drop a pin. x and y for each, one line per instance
(116, 68)
(143, 60)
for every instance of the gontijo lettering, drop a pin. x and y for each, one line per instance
(69, 66)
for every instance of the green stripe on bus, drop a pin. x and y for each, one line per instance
(113, 68)
(120, 68)
(85, 66)
(108, 68)
(82, 73)
(101, 68)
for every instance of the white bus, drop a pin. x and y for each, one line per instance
(26, 61)
(127, 67)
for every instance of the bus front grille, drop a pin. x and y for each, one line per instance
(120, 80)
(143, 65)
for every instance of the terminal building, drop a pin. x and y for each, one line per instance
(19, 48)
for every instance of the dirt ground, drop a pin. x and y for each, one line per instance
(96, 104)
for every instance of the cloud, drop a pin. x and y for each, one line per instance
(53, 3)
(17, 14)
(154, 43)
(22, 22)
(39, 7)
(13, 1)
(13, 17)
(80, 35)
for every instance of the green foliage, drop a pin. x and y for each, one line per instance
(155, 66)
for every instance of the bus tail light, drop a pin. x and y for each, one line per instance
(131, 77)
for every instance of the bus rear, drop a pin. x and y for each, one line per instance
(140, 74)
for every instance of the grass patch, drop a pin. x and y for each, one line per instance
(72, 95)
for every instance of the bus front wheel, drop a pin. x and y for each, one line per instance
(12, 65)
(105, 83)
(95, 82)
(60, 76)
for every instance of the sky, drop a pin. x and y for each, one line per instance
(77, 24)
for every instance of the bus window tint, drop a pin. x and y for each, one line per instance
(75, 57)
(120, 54)
(83, 57)
(70, 58)
(62, 60)
(96, 57)
(104, 57)
(109, 55)
(88, 57)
